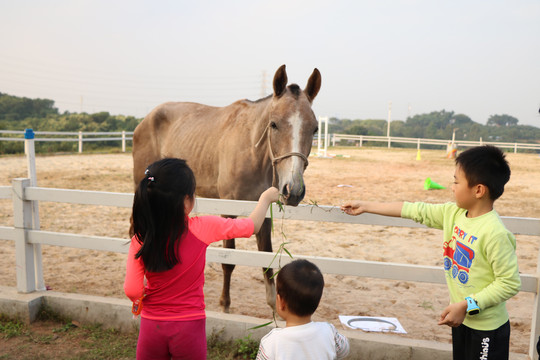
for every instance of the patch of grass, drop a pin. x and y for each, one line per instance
(56, 337)
(64, 328)
(219, 349)
(43, 339)
(46, 313)
(108, 343)
(53, 337)
(11, 327)
(427, 305)
(247, 347)
(239, 349)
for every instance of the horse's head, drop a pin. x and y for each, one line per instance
(290, 131)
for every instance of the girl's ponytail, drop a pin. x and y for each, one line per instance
(159, 218)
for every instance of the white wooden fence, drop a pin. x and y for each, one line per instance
(361, 139)
(124, 136)
(67, 136)
(26, 237)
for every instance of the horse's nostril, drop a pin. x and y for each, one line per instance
(285, 191)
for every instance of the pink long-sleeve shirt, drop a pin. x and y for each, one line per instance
(177, 294)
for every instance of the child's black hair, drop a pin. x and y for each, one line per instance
(159, 218)
(485, 165)
(300, 284)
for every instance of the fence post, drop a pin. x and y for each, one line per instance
(361, 140)
(319, 137)
(80, 142)
(515, 148)
(123, 141)
(325, 135)
(24, 252)
(32, 175)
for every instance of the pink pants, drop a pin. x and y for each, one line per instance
(172, 340)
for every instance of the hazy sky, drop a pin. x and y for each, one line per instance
(477, 58)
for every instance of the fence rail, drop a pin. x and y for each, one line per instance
(26, 237)
(124, 136)
(360, 139)
(70, 136)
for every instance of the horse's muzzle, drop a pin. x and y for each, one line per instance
(294, 195)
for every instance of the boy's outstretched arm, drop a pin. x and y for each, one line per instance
(258, 214)
(373, 207)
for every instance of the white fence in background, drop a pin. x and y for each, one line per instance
(67, 136)
(359, 140)
(26, 237)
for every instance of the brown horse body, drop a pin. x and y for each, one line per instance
(237, 151)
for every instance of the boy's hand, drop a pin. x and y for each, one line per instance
(271, 195)
(454, 314)
(353, 208)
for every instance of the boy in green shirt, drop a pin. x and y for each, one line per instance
(479, 254)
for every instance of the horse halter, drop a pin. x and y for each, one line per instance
(274, 159)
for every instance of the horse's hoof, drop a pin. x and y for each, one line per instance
(224, 306)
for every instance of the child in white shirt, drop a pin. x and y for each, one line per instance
(299, 287)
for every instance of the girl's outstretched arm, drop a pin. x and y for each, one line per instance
(269, 196)
(373, 207)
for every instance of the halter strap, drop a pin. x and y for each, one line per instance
(274, 159)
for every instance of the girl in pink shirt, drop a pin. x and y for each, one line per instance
(168, 250)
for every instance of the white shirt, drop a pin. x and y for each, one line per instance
(315, 340)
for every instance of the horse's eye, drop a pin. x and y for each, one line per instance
(316, 130)
(273, 125)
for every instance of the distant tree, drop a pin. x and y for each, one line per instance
(398, 128)
(502, 120)
(100, 117)
(13, 108)
(374, 127)
(356, 129)
(337, 126)
(460, 120)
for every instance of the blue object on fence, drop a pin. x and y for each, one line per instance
(28, 134)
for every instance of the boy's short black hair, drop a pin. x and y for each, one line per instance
(300, 284)
(485, 165)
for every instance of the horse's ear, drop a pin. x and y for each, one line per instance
(280, 81)
(313, 85)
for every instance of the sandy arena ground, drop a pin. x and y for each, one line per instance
(374, 174)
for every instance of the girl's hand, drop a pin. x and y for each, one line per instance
(270, 195)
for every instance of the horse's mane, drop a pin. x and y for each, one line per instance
(261, 99)
(293, 88)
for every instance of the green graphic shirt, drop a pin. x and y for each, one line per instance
(479, 257)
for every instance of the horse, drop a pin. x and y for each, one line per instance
(237, 151)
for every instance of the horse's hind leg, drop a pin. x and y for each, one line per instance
(225, 300)
(264, 243)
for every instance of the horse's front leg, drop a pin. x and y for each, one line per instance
(225, 300)
(264, 243)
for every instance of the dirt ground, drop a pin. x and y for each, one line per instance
(373, 174)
